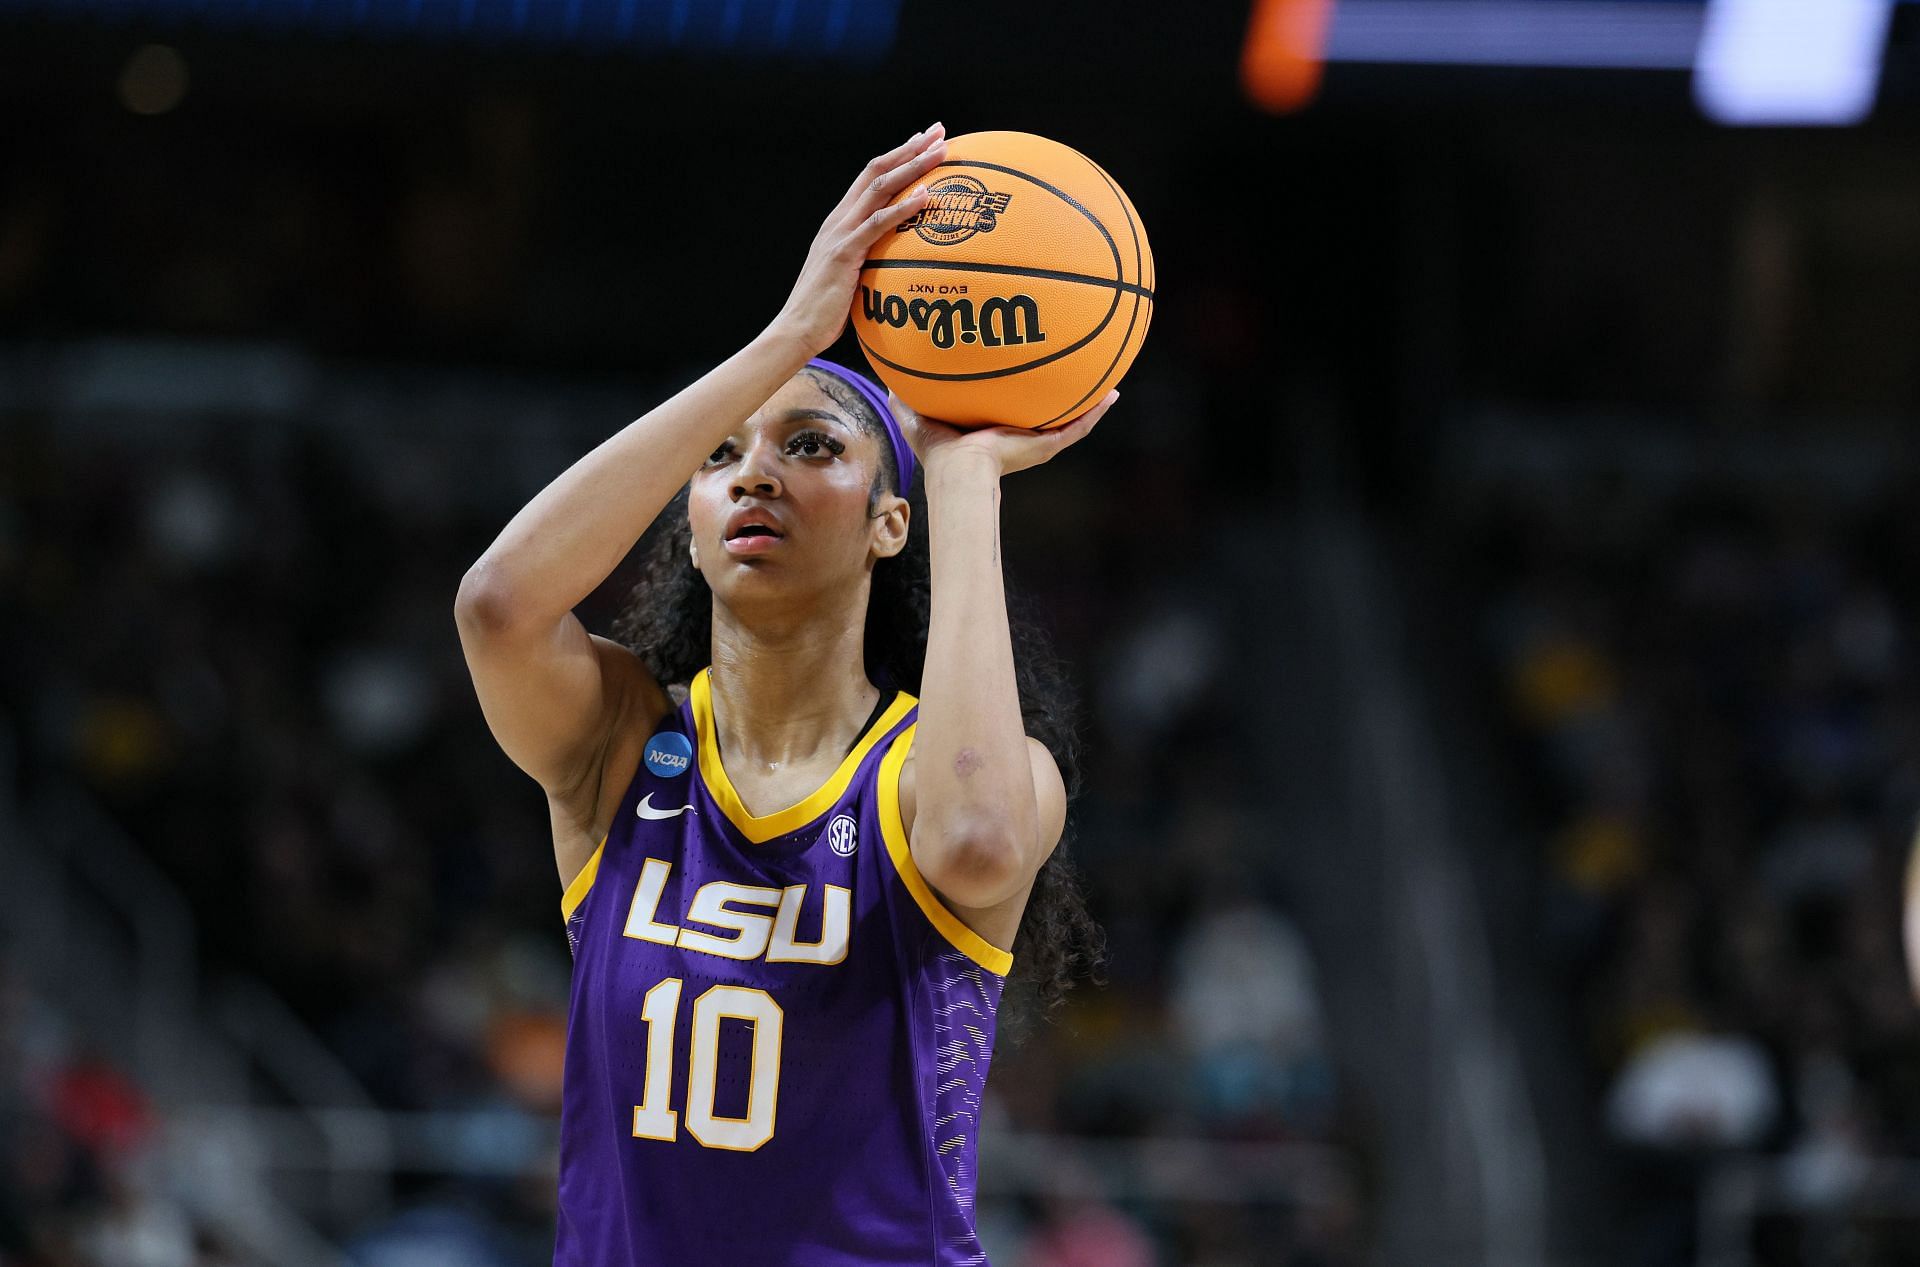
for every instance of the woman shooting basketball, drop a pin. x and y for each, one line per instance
(792, 911)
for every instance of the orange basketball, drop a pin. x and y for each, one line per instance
(1019, 294)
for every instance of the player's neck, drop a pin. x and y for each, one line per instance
(787, 692)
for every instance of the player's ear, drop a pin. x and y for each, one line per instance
(891, 518)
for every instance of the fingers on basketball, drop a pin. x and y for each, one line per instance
(1074, 428)
(887, 174)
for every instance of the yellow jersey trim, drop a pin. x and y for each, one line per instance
(894, 829)
(766, 826)
(577, 891)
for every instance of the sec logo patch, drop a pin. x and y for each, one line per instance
(843, 835)
(669, 753)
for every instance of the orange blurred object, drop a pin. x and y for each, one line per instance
(1281, 64)
(527, 1051)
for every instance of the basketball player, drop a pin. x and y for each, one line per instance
(791, 910)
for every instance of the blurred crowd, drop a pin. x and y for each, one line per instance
(1715, 696)
(79, 1180)
(240, 640)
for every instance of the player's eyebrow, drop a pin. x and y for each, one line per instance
(814, 415)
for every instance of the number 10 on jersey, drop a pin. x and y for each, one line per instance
(652, 1119)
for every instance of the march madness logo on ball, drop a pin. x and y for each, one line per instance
(957, 208)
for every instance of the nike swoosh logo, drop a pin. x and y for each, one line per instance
(646, 810)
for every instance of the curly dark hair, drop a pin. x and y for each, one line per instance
(667, 621)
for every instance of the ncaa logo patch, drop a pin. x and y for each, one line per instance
(669, 753)
(843, 835)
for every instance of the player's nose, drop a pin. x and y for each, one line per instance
(755, 472)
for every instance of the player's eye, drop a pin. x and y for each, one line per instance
(720, 453)
(811, 443)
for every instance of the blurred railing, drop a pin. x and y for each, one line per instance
(114, 945)
(508, 1143)
(104, 915)
(1464, 1173)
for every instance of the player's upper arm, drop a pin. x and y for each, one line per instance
(968, 881)
(552, 693)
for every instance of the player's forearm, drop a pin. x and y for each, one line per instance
(973, 780)
(570, 537)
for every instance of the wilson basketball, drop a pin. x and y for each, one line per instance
(1019, 294)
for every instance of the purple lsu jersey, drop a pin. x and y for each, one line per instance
(778, 1035)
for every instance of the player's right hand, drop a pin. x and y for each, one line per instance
(816, 312)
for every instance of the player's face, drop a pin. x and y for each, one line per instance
(802, 468)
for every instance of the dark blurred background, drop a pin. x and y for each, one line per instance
(1491, 605)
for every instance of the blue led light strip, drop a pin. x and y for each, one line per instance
(852, 30)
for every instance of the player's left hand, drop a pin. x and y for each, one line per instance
(1011, 448)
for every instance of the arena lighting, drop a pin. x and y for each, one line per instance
(1282, 60)
(853, 30)
(1754, 61)
(1601, 34)
(1791, 61)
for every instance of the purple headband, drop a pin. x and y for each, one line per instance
(870, 391)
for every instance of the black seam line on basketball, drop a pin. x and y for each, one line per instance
(1013, 270)
(1133, 318)
(1113, 307)
(1132, 220)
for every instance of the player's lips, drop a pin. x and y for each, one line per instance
(753, 543)
(752, 530)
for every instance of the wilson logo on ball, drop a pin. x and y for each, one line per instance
(957, 208)
(1012, 321)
